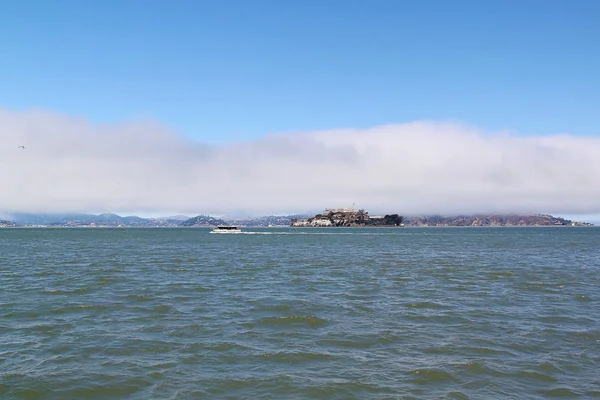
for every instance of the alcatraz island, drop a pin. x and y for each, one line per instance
(348, 217)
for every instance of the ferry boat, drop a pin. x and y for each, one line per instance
(226, 229)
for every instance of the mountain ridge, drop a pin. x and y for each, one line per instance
(115, 220)
(492, 220)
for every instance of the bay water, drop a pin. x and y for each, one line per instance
(300, 313)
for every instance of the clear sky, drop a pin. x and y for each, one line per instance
(267, 106)
(221, 71)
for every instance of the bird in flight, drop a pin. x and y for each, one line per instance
(21, 147)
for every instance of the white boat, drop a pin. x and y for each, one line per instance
(226, 229)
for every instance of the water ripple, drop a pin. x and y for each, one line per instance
(458, 313)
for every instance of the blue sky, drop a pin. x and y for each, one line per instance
(414, 107)
(223, 71)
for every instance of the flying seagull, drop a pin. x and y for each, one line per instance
(21, 147)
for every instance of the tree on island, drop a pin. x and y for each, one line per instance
(393, 219)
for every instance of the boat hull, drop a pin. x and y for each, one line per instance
(226, 229)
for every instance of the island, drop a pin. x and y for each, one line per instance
(348, 217)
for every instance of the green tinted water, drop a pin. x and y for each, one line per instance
(451, 313)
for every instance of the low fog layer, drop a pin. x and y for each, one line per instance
(69, 164)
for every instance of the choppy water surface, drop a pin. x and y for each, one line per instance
(455, 313)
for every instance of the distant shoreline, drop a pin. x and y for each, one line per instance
(329, 219)
(410, 227)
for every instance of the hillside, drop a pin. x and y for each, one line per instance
(203, 220)
(89, 220)
(493, 220)
(271, 220)
(114, 220)
(327, 218)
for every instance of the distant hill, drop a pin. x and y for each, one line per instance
(203, 220)
(492, 220)
(75, 220)
(114, 220)
(271, 220)
(335, 219)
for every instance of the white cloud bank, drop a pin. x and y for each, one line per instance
(69, 164)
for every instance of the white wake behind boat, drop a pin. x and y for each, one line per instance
(226, 229)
